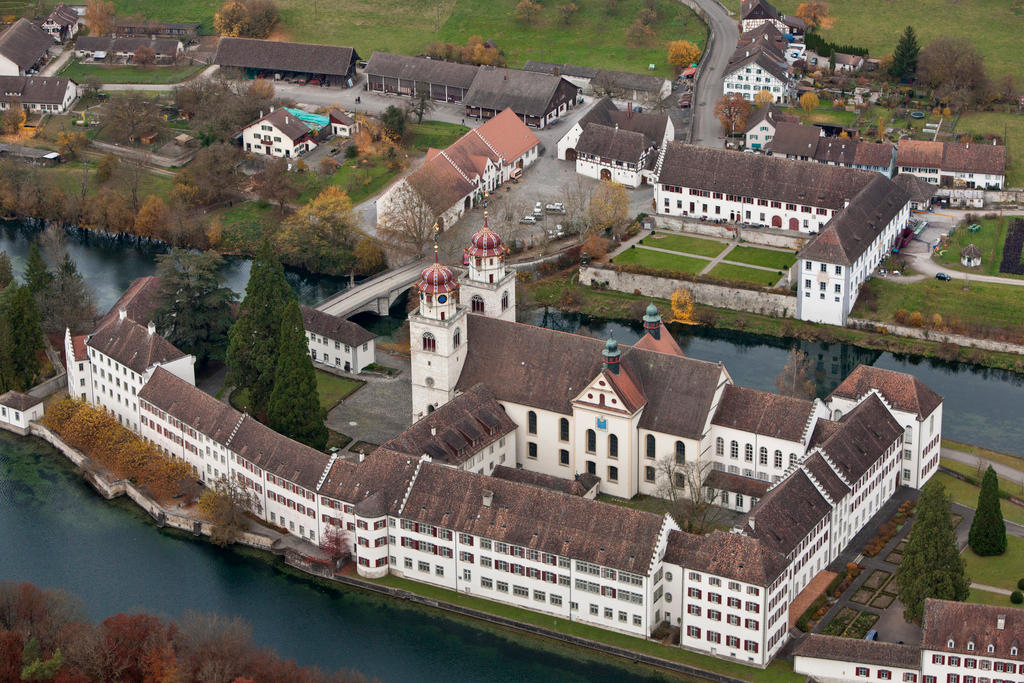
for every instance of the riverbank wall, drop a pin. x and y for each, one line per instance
(936, 336)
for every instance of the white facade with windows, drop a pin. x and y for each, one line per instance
(750, 77)
(337, 354)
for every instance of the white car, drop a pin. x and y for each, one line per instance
(537, 210)
(555, 207)
(528, 220)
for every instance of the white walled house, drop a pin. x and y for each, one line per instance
(279, 134)
(758, 71)
(62, 23)
(954, 164)
(762, 124)
(18, 409)
(754, 13)
(850, 659)
(336, 342)
(23, 48)
(38, 93)
(342, 124)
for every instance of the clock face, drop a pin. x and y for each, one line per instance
(442, 299)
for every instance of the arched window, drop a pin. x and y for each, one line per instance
(456, 338)
(908, 435)
(504, 301)
(650, 446)
(478, 303)
(680, 453)
(778, 458)
(563, 429)
(762, 456)
(613, 446)
(531, 422)
(734, 450)
(836, 414)
(591, 441)
(748, 453)
(429, 343)
(719, 446)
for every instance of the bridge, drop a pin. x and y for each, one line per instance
(375, 294)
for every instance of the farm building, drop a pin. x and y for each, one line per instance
(124, 49)
(398, 74)
(328, 64)
(23, 48)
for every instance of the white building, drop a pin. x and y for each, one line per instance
(762, 124)
(62, 23)
(754, 13)
(336, 342)
(23, 48)
(342, 124)
(796, 141)
(18, 409)
(954, 164)
(38, 93)
(837, 261)
(489, 287)
(755, 71)
(279, 134)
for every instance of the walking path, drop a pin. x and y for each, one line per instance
(990, 589)
(54, 67)
(1004, 471)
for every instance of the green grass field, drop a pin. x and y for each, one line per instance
(727, 271)
(436, 134)
(592, 38)
(129, 73)
(1007, 486)
(967, 495)
(755, 256)
(244, 225)
(1007, 126)
(661, 260)
(685, 244)
(989, 598)
(360, 178)
(331, 389)
(1002, 571)
(989, 239)
(68, 177)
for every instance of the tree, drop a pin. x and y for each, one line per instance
(227, 505)
(322, 235)
(527, 11)
(12, 119)
(566, 12)
(100, 17)
(732, 111)
(640, 31)
(904, 59)
(37, 276)
(6, 271)
(232, 19)
(988, 532)
(816, 14)
(393, 119)
(294, 407)
(931, 566)
(682, 306)
(213, 172)
(955, 68)
(682, 53)
(763, 97)
(18, 306)
(274, 183)
(795, 379)
(153, 218)
(694, 506)
(253, 339)
(105, 167)
(69, 302)
(809, 102)
(609, 206)
(144, 55)
(131, 117)
(70, 144)
(369, 256)
(422, 103)
(335, 542)
(407, 222)
(263, 16)
(195, 314)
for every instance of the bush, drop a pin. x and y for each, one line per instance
(1020, 584)
(1016, 597)
(900, 315)
(915, 319)
(351, 152)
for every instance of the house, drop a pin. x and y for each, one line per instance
(754, 70)
(342, 124)
(123, 49)
(762, 123)
(840, 258)
(453, 180)
(970, 256)
(186, 33)
(401, 75)
(607, 143)
(279, 133)
(767, 36)
(336, 342)
(333, 65)
(62, 23)
(17, 410)
(794, 140)
(621, 86)
(847, 63)
(754, 13)
(23, 48)
(38, 93)
(538, 99)
(964, 165)
(920, 191)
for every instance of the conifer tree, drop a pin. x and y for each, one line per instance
(37, 276)
(6, 271)
(931, 566)
(26, 334)
(294, 408)
(253, 340)
(988, 532)
(904, 59)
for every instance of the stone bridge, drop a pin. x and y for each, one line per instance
(375, 294)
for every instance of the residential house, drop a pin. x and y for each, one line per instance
(762, 124)
(755, 70)
(954, 164)
(847, 63)
(123, 49)
(336, 342)
(279, 133)
(342, 124)
(402, 75)
(623, 87)
(17, 410)
(536, 98)
(62, 23)
(333, 65)
(794, 140)
(850, 659)
(921, 191)
(754, 13)
(38, 93)
(23, 48)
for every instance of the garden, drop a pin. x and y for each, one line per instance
(999, 239)
(130, 73)
(685, 244)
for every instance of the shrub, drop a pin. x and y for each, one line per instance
(351, 152)
(1020, 584)
(1016, 597)
(915, 319)
(900, 315)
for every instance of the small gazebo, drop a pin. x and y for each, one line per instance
(970, 256)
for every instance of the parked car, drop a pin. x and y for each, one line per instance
(528, 220)
(537, 209)
(943, 276)
(814, 61)
(685, 101)
(555, 207)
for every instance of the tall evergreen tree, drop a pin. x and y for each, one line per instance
(931, 566)
(988, 532)
(253, 340)
(195, 314)
(6, 271)
(8, 374)
(904, 59)
(68, 301)
(19, 308)
(37, 275)
(294, 408)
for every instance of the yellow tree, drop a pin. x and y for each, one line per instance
(682, 306)
(232, 19)
(527, 10)
(609, 206)
(682, 53)
(153, 218)
(732, 110)
(764, 97)
(322, 235)
(809, 102)
(100, 17)
(816, 14)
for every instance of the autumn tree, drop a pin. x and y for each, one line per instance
(12, 119)
(955, 69)
(263, 16)
(682, 53)
(763, 97)
(796, 379)
(106, 166)
(322, 235)
(732, 111)
(816, 14)
(70, 144)
(369, 256)
(682, 306)
(407, 222)
(99, 14)
(274, 183)
(566, 12)
(228, 506)
(608, 207)
(527, 11)
(639, 32)
(904, 58)
(335, 542)
(294, 406)
(131, 117)
(153, 218)
(809, 102)
(144, 55)
(214, 173)
(681, 481)
(232, 19)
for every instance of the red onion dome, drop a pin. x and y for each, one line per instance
(437, 278)
(485, 242)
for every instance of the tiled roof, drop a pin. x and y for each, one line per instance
(527, 93)
(275, 55)
(762, 54)
(769, 113)
(78, 346)
(191, 405)
(665, 343)
(338, 116)
(439, 183)
(612, 143)
(457, 430)
(277, 454)
(787, 513)
(140, 301)
(968, 157)
(919, 189)
(62, 15)
(971, 252)
(759, 9)
(854, 651)
(615, 79)
(579, 485)
(902, 391)
(384, 476)
(534, 517)
(847, 59)
(421, 69)
(863, 436)
(965, 623)
(18, 401)
(333, 327)
(873, 153)
(821, 472)
(762, 412)
(733, 556)
(24, 43)
(290, 125)
(792, 137)
(34, 89)
(919, 153)
(161, 46)
(133, 345)
(724, 481)
(606, 113)
(547, 369)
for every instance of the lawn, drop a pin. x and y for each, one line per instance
(1002, 571)
(995, 456)
(1008, 486)
(361, 178)
(989, 598)
(755, 256)
(592, 38)
(1010, 127)
(436, 134)
(661, 260)
(727, 271)
(69, 178)
(993, 26)
(129, 73)
(989, 239)
(244, 225)
(778, 672)
(967, 495)
(685, 244)
(332, 389)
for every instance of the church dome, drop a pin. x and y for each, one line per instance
(485, 242)
(437, 278)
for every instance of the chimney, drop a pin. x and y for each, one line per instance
(967, 146)
(122, 314)
(488, 498)
(152, 328)
(433, 431)
(1001, 622)
(748, 53)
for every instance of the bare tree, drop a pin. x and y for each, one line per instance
(575, 198)
(130, 117)
(795, 379)
(408, 222)
(955, 68)
(693, 505)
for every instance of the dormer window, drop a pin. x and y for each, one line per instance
(1013, 651)
(990, 649)
(970, 645)
(949, 643)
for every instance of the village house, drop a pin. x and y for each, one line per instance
(921, 191)
(329, 64)
(401, 75)
(23, 48)
(336, 342)
(754, 13)
(623, 87)
(17, 410)
(186, 33)
(538, 99)
(847, 63)
(954, 164)
(794, 140)
(62, 23)
(755, 69)
(762, 124)
(117, 49)
(342, 124)
(47, 94)
(279, 133)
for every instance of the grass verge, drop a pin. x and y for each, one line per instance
(659, 259)
(130, 73)
(756, 256)
(1007, 486)
(436, 134)
(685, 244)
(995, 456)
(332, 389)
(989, 598)
(967, 495)
(728, 271)
(1002, 571)
(989, 240)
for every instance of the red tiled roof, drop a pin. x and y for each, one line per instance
(140, 301)
(902, 391)
(966, 623)
(762, 412)
(78, 346)
(665, 343)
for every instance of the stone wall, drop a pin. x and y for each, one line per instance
(933, 335)
(721, 296)
(762, 236)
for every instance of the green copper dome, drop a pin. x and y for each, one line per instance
(652, 315)
(611, 348)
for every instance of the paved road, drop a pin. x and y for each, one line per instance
(1004, 471)
(707, 131)
(56, 65)
(918, 252)
(344, 304)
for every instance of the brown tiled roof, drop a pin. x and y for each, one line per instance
(971, 157)
(835, 150)
(787, 513)
(290, 125)
(334, 328)
(863, 436)
(665, 343)
(78, 346)
(901, 390)
(623, 80)
(762, 412)
(856, 651)
(457, 430)
(505, 135)
(547, 369)
(873, 153)
(438, 183)
(338, 116)
(278, 454)
(919, 189)
(759, 8)
(579, 485)
(133, 345)
(190, 405)
(826, 477)
(606, 113)
(140, 301)
(534, 517)
(770, 113)
(964, 622)
(919, 153)
(161, 46)
(792, 137)
(762, 54)
(852, 230)
(62, 15)
(724, 481)
(733, 556)
(761, 176)
(612, 143)
(34, 89)
(275, 55)
(848, 59)
(765, 34)
(527, 93)
(383, 475)
(18, 401)
(24, 43)
(971, 251)
(421, 69)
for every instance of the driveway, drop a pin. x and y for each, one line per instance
(380, 410)
(919, 251)
(707, 131)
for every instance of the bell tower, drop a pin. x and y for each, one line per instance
(490, 288)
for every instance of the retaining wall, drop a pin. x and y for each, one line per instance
(933, 335)
(762, 236)
(50, 386)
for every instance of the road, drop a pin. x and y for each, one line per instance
(918, 252)
(1005, 471)
(706, 128)
(347, 302)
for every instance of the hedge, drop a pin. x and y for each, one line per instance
(825, 49)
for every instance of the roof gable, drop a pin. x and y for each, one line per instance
(24, 43)
(902, 391)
